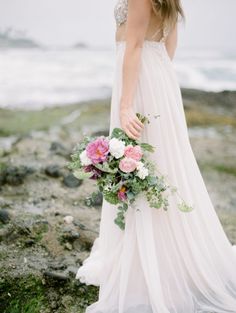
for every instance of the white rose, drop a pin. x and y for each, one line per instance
(142, 172)
(85, 160)
(116, 148)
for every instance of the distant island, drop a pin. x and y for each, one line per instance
(80, 45)
(10, 38)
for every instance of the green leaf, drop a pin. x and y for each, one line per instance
(130, 195)
(111, 198)
(184, 207)
(142, 118)
(152, 180)
(105, 168)
(147, 147)
(117, 133)
(80, 174)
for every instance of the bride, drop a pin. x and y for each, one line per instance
(164, 261)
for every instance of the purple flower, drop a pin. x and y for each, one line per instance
(98, 150)
(96, 172)
(121, 194)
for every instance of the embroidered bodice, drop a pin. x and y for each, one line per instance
(121, 12)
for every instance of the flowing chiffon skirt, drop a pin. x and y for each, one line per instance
(164, 261)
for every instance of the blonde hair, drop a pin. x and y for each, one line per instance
(169, 10)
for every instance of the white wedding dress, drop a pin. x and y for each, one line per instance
(164, 261)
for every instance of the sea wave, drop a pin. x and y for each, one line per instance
(32, 79)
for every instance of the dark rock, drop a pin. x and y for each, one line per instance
(70, 234)
(71, 181)
(29, 242)
(57, 266)
(4, 216)
(53, 171)
(59, 149)
(56, 276)
(15, 175)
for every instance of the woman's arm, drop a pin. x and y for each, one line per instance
(139, 13)
(171, 42)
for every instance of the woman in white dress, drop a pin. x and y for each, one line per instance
(164, 261)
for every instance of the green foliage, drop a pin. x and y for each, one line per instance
(120, 218)
(184, 207)
(111, 197)
(106, 168)
(80, 174)
(147, 147)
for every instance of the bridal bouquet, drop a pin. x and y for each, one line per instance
(122, 169)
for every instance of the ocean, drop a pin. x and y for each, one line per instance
(35, 78)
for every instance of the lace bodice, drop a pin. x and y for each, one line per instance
(121, 13)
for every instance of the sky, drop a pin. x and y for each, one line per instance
(209, 23)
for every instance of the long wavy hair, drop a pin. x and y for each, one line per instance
(169, 10)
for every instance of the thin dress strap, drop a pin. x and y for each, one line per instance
(164, 30)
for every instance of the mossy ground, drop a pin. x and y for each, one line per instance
(34, 294)
(20, 122)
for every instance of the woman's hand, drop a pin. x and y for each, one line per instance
(130, 123)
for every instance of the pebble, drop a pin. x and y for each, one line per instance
(53, 171)
(59, 149)
(71, 181)
(68, 219)
(56, 276)
(68, 246)
(4, 216)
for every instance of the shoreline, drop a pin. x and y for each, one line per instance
(202, 108)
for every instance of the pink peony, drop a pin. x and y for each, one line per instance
(127, 165)
(121, 194)
(97, 150)
(133, 152)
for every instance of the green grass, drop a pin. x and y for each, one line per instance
(35, 294)
(22, 296)
(199, 117)
(22, 122)
(30, 306)
(222, 168)
(225, 169)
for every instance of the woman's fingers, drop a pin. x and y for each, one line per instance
(132, 132)
(129, 134)
(136, 126)
(131, 124)
(138, 122)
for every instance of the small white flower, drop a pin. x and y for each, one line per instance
(142, 172)
(140, 165)
(85, 160)
(116, 148)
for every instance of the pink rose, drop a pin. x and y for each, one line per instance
(133, 152)
(97, 150)
(127, 165)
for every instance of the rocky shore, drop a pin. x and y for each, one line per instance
(49, 219)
